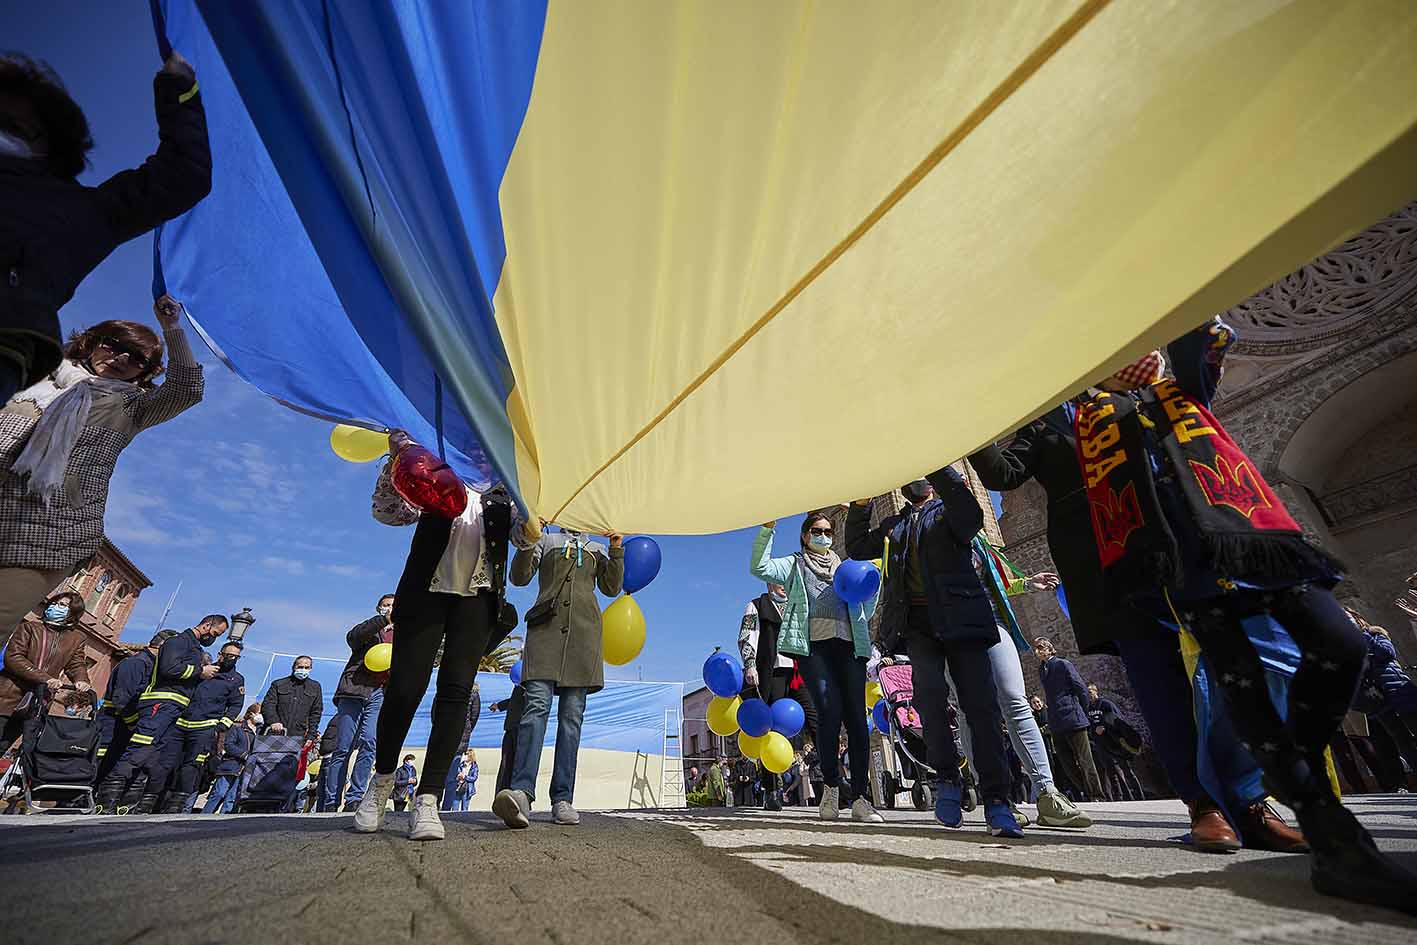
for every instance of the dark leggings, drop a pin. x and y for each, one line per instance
(837, 679)
(1333, 655)
(461, 625)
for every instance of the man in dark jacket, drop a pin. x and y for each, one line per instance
(1067, 716)
(358, 698)
(294, 704)
(934, 606)
(119, 712)
(54, 231)
(179, 669)
(214, 709)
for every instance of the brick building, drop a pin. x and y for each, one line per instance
(110, 585)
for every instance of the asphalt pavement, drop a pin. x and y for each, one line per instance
(680, 877)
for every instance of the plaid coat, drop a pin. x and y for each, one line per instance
(65, 535)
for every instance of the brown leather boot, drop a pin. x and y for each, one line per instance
(1263, 829)
(1210, 831)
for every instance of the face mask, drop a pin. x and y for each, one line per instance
(227, 664)
(915, 491)
(14, 146)
(258, 721)
(821, 542)
(778, 598)
(385, 610)
(56, 613)
(301, 674)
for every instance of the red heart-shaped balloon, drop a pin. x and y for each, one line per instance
(427, 483)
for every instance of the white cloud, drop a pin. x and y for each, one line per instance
(348, 571)
(293, 626)
(288, 565)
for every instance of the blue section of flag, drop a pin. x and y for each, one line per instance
(346, 258)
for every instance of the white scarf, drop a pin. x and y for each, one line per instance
(63, 399)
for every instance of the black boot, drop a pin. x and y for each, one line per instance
(146, 804)
(106, 796)
(130, 798)
(176, 803)
(1348, 864)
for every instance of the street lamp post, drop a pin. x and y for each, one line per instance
(240, 623)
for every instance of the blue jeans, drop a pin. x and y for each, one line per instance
(222, 794)
(356, 722)
(569, 713)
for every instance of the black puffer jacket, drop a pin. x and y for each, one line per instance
(54, 231)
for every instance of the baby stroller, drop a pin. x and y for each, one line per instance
(907, 739)
(57, 758)
(269, 776)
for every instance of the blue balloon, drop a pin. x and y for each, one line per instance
(787, 717)
(723, 675)
(516, 673)
(1063, 602)
(755, 717)
(642, 560)
(881, 714)
(856, 581)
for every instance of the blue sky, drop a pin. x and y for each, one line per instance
(240, 499)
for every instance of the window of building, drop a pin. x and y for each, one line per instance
(119, 600)
(91, 602)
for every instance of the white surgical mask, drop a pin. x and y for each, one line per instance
(257, 721)
(779, 597)
(821, 542)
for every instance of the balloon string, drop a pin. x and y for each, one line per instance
(1000, 94)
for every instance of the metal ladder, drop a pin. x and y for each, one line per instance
(671, 772)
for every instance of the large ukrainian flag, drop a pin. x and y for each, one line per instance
(683, 266)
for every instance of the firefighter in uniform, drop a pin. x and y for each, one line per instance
(120, 703)
(175, 675)
(214, 708)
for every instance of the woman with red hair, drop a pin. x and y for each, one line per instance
(60, 439)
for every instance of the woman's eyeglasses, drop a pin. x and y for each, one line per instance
(821, 531)
(122, 355)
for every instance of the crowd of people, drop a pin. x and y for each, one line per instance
(1171, 547)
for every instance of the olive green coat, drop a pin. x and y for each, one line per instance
(565, 649)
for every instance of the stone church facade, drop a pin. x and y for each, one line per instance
(1321, 391)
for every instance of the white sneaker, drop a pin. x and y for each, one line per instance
(829, 809)
(564, 814)
(512, 807)
(863, 812)
(425, 824)
(369, 818)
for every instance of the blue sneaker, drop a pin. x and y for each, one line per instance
(948, 796)
(1001, 820)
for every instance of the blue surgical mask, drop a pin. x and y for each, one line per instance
(778, 598)
(301, 674)
(821, 542)
(56, 613)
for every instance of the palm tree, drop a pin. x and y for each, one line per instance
(501, 659)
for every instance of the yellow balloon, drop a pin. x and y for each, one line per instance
(873, 693)
(358, 445)
(776, 753)
(622, 631)
(379, 657)
(723, 715)
(752, 745)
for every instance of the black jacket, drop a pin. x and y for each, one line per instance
(54, 231)
(296, 704)
(1066, 695)
(130, 677)
(957, 604)
(358, 682)
(217, 702)
(178, 670)
(1046, 450)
